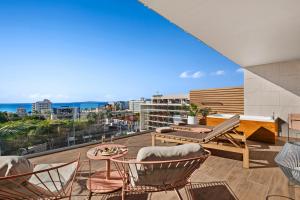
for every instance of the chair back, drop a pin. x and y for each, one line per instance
(288, 159)
(223, 128)
(294, 121)
(48, 181)
(162, 174)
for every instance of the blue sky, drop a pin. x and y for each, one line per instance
(100, 50)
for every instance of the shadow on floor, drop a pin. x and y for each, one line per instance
(117, 196)
(270, 197)
(204, 191)
(211, 191)
(263, 159)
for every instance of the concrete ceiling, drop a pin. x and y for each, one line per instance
(249, 32)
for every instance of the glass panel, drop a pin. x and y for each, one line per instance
(63, 126)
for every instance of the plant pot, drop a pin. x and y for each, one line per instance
(202, 121)
(192, 120)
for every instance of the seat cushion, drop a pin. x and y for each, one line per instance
(164, 129)
(14, 165)
(156, 153)
(60, 177)
(163, 174)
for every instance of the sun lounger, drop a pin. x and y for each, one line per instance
(222, 137)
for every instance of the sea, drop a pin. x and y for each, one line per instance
(12, 107)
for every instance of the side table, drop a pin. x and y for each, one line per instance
(105, 181)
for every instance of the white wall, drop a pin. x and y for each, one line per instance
(273, 88)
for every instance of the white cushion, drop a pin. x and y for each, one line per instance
(155, 153)
(14, 165)
(60, 179)
(158, 175)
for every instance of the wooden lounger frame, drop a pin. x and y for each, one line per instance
(231, 142)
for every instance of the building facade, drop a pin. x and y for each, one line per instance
(163, 111)
(66, 113)
(42, 107)
(135, 105)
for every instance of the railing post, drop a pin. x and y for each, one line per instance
(153, 139)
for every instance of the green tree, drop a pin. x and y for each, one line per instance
(193, 110)
(92, 117)
(3, 117)
(13, 117)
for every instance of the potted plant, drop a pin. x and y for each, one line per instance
(204, 112)
(192, 114)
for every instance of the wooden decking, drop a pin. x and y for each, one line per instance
(221, 177)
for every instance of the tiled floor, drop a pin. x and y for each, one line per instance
(220, 177)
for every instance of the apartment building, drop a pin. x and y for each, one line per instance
(163, 111)
(135, 105)
(66, 113)
(42, 106)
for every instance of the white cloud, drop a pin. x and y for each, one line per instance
(184, 74)
(219, 73)
(198, 74)
(240, 70)
(187, 74)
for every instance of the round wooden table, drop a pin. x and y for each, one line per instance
(105, 181)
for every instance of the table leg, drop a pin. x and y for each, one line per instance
(107, 169)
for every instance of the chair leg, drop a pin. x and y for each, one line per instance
(90, 195)
(189, 192)
(123, 194)
(246, 157)
(178, 194)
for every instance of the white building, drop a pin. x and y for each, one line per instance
(44, 106)
(135, 105)
(163, 111)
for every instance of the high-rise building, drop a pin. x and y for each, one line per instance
(42, 107)
(135, 105)
(164, 111)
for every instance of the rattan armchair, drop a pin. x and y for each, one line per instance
(288, 159)
(47, 181)
(155, 176)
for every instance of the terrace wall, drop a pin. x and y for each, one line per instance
(220, 100)
(273, 89)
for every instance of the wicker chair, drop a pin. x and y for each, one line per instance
(47, 181)
(156, 176)
(288, 159)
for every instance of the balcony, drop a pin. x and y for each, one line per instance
(221, 177)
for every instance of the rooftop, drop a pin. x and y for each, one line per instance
(220, 177)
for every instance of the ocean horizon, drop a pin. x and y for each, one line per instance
(12, 107)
